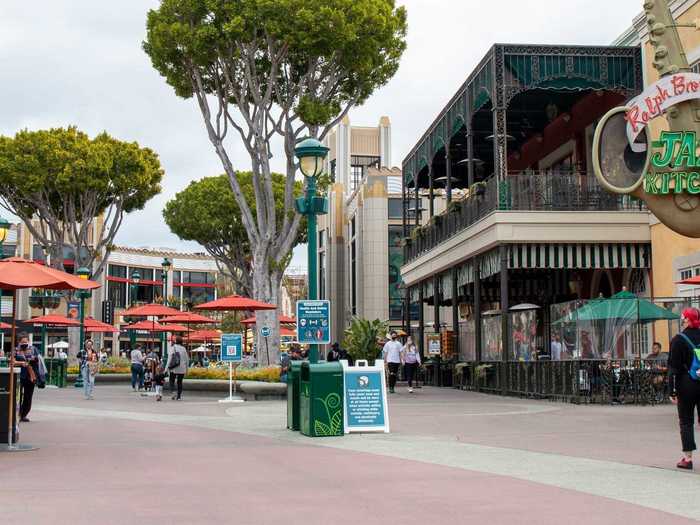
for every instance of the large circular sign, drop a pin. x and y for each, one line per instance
(617, 166)
(265, 331)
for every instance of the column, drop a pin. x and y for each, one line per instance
(504, 315)
(455, 310)
(448, 171)
(431, 191)
(470, 155)
(385, 142)
(421, 322)
(477, 308)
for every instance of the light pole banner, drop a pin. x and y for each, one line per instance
(314, 322)
(365, 405)
(231, 347)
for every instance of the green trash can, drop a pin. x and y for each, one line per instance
(293, 395)
(321, 399)
(56, 369)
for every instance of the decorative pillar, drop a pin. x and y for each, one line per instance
(455, 309)
(448, 171)
(477, 309)
(431, 190)
(504, 315)
(417, 206)
(500, 139)
(421, 322)
(470, 155)
(385, 142)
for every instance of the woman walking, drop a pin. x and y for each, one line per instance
(683, 363)
(411, 362)
(137, 368)
(90, 370)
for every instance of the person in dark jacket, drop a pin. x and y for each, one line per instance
(334, 353)
(685, 390)
(28, 358)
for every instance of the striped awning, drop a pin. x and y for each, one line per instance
(579, 256)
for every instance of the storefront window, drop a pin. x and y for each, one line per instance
(396, 298)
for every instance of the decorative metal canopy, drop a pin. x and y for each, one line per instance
(508, 70)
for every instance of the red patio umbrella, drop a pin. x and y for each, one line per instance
(287, 332)
(150, 310)
(53, 320)
(5, 326)
(188, 317)
(16, 274)
(205, 335)
(152, 326)
(236, 303)
(93, 325)
(283, 319)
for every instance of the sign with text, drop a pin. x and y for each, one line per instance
(365, 404)
(265, 331)
(434, 346)
(231, 345)
(314, 322)
(73, 310)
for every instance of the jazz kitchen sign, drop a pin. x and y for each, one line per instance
(657, 98)
(676, 153)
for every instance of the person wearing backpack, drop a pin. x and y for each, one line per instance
(177, 366)
(684, 370)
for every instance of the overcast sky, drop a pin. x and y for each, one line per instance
(79, 62)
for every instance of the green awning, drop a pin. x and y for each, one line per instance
(623, 306)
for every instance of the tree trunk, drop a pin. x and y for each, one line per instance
(266, 286)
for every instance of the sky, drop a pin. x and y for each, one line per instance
(80, 62)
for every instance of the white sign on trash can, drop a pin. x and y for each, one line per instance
(365, 405)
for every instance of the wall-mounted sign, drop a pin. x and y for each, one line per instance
(675, 149)
(434, 346)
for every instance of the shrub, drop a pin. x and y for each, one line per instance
(361, 338)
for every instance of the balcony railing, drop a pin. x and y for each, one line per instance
(526, 191)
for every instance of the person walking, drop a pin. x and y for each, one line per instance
(411, 362)
(334, 353)
(683, 363)
(393, 359)
(137, 368)
(90, 370)
(177, 366)
(28, 358)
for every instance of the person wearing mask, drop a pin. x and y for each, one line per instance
(393, 359)
(28, 358)
(411, 362)
(334, 353)
(177, 366)
(137, 368)
(685, 382)
(90, 370)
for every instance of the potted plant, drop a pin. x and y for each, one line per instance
(361, 338)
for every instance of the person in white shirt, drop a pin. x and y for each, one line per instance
(393, 359)
(555, 347)
(137, 375)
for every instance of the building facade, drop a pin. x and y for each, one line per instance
(527, 226)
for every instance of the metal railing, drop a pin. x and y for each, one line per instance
(553, 191)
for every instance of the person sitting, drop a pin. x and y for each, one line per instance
(656, 353)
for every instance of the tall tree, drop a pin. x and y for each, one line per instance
(260, 68)
(72, 191)
(206, 212)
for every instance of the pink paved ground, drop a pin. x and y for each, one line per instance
(112, 471)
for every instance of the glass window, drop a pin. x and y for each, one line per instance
(686, 274)
(38, 253)
(395, 208)
(396, 298)
(116, 270)
(177, 276)
(146, 273)
(147, 293)
(193, 295)
(116, 292)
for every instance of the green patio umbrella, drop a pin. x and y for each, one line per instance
(621, 306)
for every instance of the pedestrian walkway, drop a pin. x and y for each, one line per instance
(452, 457)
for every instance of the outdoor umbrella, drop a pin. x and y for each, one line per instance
(205, 335)
(5, 326)
(150, 310)
(283, 319)
(59, 345)
(237, 303)
(53, 320)
(94, 326)
(188, 318)
(152, 326)
(16, 274)
(623, 305)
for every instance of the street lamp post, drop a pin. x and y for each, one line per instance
(166, 265)
(133, 293)
(83, 273)
(311, 154)
(4, 230)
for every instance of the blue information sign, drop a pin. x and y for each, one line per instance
(314, 322)
(231, 347)
(365, 402)
(265, 331)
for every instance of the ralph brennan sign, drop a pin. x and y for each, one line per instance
(677, 150)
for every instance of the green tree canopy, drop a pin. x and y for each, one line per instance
(264, 69)
(59, 182)
(206, 212)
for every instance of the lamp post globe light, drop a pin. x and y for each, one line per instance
(83, 273)
(133, 293)
(166, 265)
(311, 154)
(4, 230)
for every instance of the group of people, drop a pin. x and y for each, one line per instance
(395, 355)
(148, 372)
